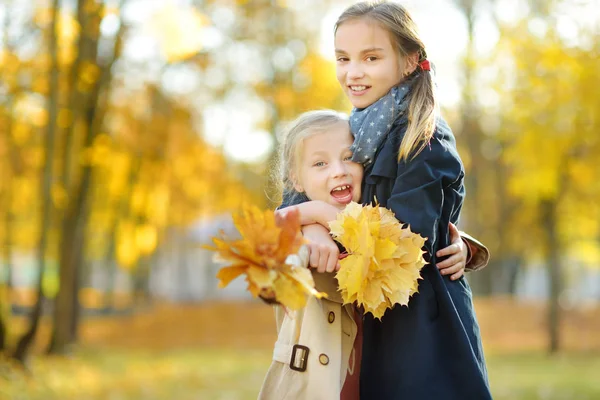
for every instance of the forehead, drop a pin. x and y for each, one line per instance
(362, 33)
(334, 137)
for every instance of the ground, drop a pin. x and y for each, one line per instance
(222, 350)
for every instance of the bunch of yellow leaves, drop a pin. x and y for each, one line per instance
(384, 259)
(261, 255)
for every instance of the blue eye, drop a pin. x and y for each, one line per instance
(319, 164)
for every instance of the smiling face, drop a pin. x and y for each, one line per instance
(368, 65)
(324, 169)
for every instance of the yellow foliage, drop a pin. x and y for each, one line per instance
(127, 250)
(384, 259)
(586, 251)
(261, 255)
(24, 192)
(179, 31)
(146, 238)
(21, 133)
(88, 74)
(158, 205)
(138, 198)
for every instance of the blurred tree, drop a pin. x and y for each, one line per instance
(46, 185)
(549, 123)
(89, 87)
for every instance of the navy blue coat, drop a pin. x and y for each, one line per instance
(430, 350)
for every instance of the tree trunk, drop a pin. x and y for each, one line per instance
(72, 246)
(91, 111)
(5, 289)
(46, 187)
(553, 263)
(71, 255)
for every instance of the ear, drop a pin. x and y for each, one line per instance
(297, 187)
(410, 63)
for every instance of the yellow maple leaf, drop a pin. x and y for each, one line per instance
(384, 258)
(261, 254)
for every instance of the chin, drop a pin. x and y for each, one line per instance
(361, 103)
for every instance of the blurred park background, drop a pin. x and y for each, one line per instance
(130, 129)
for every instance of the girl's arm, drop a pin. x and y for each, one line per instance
(323, 251)
(418, 192)
(313, 212)
(292, 198)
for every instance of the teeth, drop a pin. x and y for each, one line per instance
(337, 189)
(358, 88)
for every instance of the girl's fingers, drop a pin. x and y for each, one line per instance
(314, 257)
(452, 270)
(322, 261)
(446, 251)
(458, 275)
(455, 259)
(454, 233)
(331, 262)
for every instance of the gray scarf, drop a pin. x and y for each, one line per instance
(370, 125)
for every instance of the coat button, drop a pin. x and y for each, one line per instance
(323, 359)
(331, 317)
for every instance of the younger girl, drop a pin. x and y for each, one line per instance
(314, 354)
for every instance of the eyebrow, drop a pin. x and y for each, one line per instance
(369, 50)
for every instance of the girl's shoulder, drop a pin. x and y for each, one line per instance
(442, 130)
(441, 143)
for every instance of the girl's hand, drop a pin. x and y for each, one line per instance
(312, 212)
(455, 264)
(324, 253)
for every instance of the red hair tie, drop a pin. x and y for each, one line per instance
(425, 65)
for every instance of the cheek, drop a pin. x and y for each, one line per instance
(357, 173)
(340, 74)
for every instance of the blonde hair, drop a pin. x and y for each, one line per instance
(305, 125)
(423, 108)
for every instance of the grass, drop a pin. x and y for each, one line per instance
(222, 351)
(227, 374)
(121, 374)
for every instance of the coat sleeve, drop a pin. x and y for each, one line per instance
(417, 195)
(480, 255)
(292, 198)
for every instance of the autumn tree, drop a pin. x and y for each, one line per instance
(549, 131)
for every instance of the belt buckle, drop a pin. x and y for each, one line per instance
(303, 358)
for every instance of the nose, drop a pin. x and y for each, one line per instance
(355, 71)
(338, 170)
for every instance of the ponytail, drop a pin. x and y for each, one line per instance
(422, 114)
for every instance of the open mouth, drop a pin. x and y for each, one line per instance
(342, 194)
(358, 89)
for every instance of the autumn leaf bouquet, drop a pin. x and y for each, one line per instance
(384, 258)
(261, 254)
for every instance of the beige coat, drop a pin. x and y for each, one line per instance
(327, 331)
